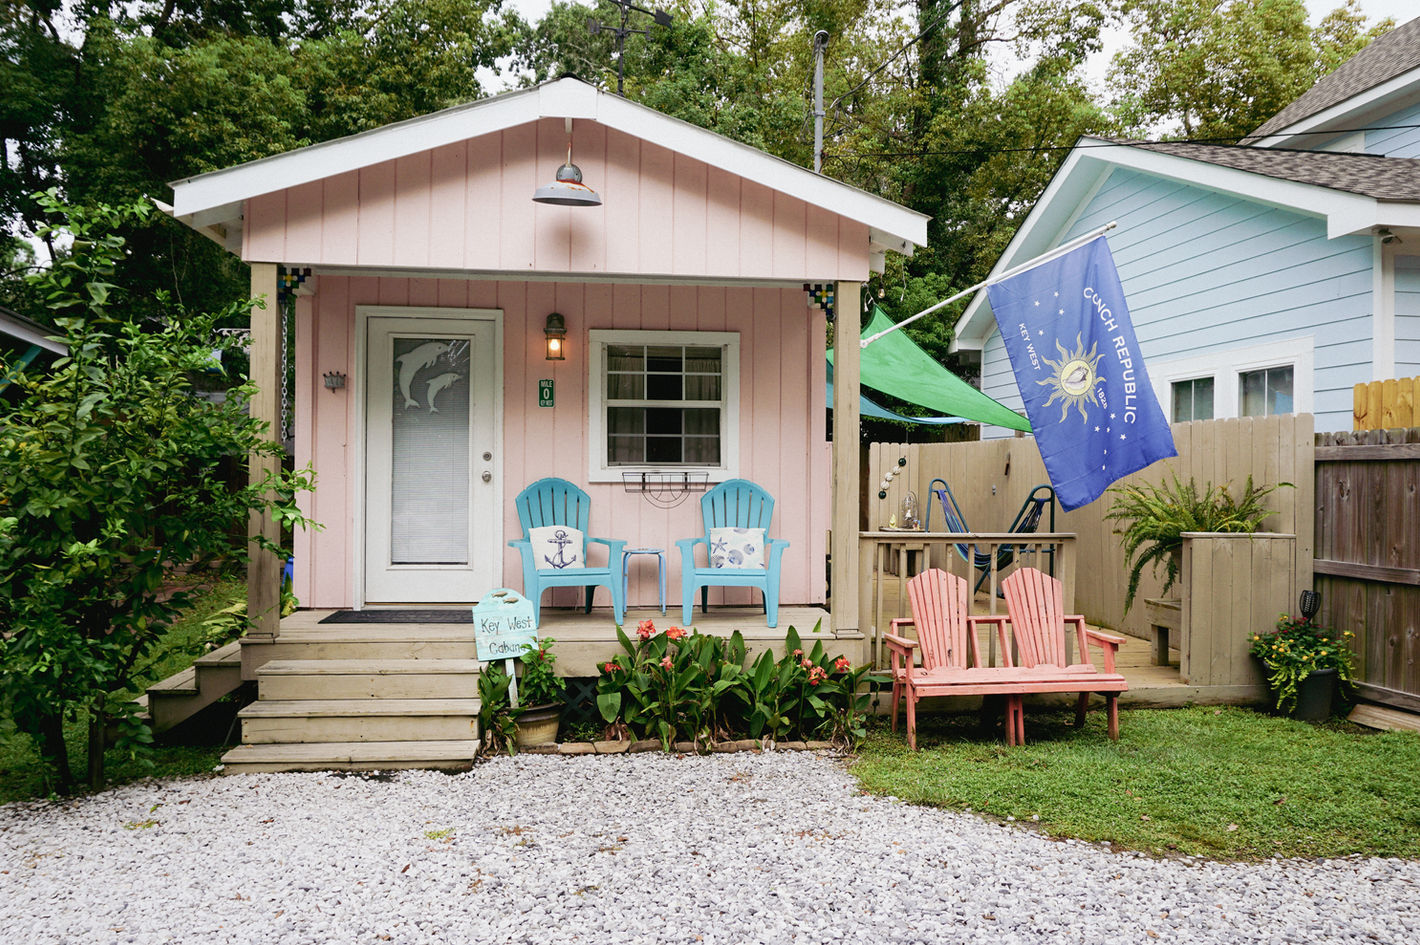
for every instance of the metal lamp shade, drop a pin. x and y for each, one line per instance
(567, 190)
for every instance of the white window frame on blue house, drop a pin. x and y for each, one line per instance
(599, 468)
(1226, 368)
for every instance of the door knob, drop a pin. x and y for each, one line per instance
(487, 457)
(487, 476)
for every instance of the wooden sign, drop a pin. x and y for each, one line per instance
(503, 625)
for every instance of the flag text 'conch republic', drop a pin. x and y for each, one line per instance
(1067, 331)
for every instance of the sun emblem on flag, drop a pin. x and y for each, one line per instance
(1076, 375)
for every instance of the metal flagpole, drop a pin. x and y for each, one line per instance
(1014, 270)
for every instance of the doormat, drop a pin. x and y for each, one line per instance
(401, 616)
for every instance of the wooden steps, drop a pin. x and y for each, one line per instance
(350, 756)
(184, 694)
(361, 698)
(359, 720)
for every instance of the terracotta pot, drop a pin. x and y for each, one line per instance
(538, 725)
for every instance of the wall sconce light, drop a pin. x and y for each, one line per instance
(334, 380)
(556, 331)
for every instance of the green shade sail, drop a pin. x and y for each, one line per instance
(895, 365)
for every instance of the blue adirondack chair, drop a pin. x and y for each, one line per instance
(554, 501)
(733, 503)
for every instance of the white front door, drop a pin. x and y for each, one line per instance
(433, 523)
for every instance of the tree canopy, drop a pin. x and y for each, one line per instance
(961, 109)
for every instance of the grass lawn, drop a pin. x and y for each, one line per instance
(21, 773)
(1226, 783)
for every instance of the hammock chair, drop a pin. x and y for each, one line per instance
(1027, 522)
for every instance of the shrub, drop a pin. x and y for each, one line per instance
(686, 686)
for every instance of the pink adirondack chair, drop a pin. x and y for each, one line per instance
(941, 604)
(1036, 612)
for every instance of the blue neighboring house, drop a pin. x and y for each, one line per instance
(1268, 277)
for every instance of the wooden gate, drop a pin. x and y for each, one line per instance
(1367, 563)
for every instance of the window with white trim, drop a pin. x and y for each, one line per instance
(1265, 393)
(1192, 400)
(663, 400)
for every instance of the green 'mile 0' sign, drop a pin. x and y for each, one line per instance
(544, 393)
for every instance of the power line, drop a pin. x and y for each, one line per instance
(935, 22)
(1230, 142)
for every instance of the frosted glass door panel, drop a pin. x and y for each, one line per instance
(429, 479)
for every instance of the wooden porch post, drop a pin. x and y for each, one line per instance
(846, 462)
(264, 570)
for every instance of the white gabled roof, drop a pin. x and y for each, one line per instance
(215, 199)
(1094, 159)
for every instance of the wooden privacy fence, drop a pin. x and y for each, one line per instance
(1368, 554)
(1385, 405)
(991, 480)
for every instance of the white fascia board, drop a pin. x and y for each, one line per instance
(1344, 213)
(231, 185)
(880, 214)
(30, 334)
(893, 226)
(1057, 208)
(1343, 114)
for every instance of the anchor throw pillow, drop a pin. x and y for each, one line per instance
(737, 548)
(557, 548)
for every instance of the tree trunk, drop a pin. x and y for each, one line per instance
(55, 752)
(98, 718)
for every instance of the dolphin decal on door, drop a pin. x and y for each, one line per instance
(415, 361)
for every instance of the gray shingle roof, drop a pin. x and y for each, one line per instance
(1385, 58)
(1382, 178)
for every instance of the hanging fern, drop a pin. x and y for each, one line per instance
(1155, 518)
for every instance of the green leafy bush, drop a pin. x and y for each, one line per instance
(539, 683)
(112, 472)
(1157, 517)
(686, 686)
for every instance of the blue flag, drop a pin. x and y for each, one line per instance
(1072, 347)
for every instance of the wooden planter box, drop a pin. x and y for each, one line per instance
(1233, 586)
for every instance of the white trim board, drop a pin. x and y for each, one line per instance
(891, 226)
(1226, 366)
(1091, 162)
(1347, 113)
(599, 338)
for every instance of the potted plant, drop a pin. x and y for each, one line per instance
(1156, 517)
(1305, 664)
(541, 696)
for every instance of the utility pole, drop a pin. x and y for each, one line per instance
(820, 43)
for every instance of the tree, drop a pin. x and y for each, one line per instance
(111, 473)
(1220, 68)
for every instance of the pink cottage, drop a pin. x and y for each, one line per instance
(426, 280)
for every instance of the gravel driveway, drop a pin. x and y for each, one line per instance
(722, 849)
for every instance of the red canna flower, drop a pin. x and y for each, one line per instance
(817, 675)
(842, 665)
(609, 667)
(666, 662)
(675, 633)
(645, 629)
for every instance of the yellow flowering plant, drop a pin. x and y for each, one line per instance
(1298, 648)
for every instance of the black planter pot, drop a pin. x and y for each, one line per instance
(1315, 695)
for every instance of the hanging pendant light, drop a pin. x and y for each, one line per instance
(568, 190)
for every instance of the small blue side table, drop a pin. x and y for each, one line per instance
(660, 554)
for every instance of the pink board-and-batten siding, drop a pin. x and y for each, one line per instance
(467, 206)
(781, 434)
